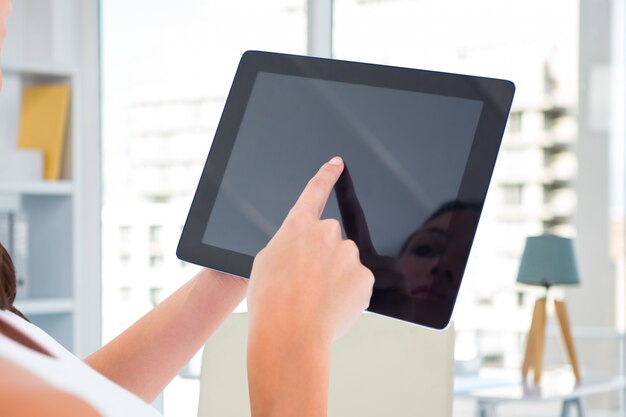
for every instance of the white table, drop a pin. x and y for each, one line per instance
(489, 392)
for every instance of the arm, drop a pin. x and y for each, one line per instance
(146, 357)
(307, 287)
(288, 378)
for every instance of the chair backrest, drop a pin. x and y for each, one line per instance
(382, 367)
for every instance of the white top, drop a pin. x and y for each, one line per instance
(67, 373)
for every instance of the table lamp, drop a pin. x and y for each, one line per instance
(547, 260)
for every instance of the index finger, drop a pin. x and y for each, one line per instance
(317, 191)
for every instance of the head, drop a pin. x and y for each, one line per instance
(434, 256)
(8, 282)
(5, 10)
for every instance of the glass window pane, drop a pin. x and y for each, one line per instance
(561, 166)
(166, 70)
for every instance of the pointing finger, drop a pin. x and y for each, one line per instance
(317, 191)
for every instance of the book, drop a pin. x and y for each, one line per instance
(43, 123)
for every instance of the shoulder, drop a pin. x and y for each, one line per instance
(23, 394)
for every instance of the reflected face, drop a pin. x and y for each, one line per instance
(435, 255)
(5, 10)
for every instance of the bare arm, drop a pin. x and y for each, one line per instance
(146, 357)
(288, 378)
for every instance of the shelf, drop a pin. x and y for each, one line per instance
(50, 188)
(57, 222)
(31, 71)
(34, 307)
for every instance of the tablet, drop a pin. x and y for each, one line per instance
(419, 150)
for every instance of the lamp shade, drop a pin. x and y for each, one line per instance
(548, 260)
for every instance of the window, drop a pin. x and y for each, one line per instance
(514, 124)
(166, 70)
(125, 294)
(491, 39)
(155, 233)
(125, 234)
(512, 194)
(155, 295)
(124, 259)
(156, 261)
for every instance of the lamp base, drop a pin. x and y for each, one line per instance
(535, 343)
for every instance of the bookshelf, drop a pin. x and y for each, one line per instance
(52, 42)
(41, 218)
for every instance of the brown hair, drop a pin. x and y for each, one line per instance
(8, 282)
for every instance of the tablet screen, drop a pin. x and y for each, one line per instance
(419, 150)
(292, 124)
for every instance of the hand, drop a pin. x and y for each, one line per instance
(306, 288)
(308, 281)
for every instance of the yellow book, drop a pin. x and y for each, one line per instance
(43, 124)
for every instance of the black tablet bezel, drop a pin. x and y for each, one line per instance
(495, 94)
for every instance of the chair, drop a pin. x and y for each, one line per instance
(382, 367)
